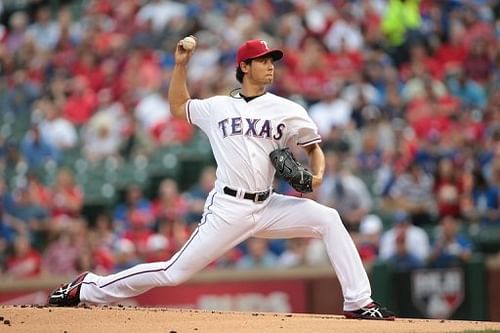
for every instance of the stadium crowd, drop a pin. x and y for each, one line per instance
(405, 94)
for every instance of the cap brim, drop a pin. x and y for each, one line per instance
(275, 54)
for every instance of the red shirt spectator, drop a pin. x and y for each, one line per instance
(452, 54)
(88, 68)
(80, 106)
(67, 197)
(344, 63)
(420, 58)
(478, 65)
(139, 232)
(61, 256)
(25, 261)
(170, 206)
(448, 188)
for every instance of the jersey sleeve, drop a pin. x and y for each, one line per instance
(198, 111)
(304, 130)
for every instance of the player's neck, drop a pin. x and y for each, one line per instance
(251, 90)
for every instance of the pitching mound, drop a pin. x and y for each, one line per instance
(148, 320)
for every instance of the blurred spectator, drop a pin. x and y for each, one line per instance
(139, 231)
(403, 260)
(361, 92)
(40, 194)
(451, 247)
(337, 141)
(229, 259)
(87, 68)
(101, 137)
(481, 202)
(316, 252)
(331, 110)
(448, 188)
(7, 225)
(61, 255)
(20, 94)
(471, 94)
(197, 195)
(101, 243)
(103, 229)
(451, 53)
(404, 232)
(344, 191)
(24, 261)
(400, 24)
(3, 252)
(151, 111)
(135, 140)
(295, 253)
(134, 200)
(36, 150)
(308, 78)
(346, 30)
(171, 206)
(258, 256)
(369, 159)
(44, 31)
(55, 130)
(125, 255)
(81, 103)
(157, 248)
(11, 157)
(16, 35)
(161, 13)
(478, 64)
(370, 230)
(494, 194)
(412, 192)
(25, 215)
(177, 232)
(67, 197)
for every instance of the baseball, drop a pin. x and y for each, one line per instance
(188, 43)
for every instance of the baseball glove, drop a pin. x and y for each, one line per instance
(290, 170)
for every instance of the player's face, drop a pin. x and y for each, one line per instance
(261, 70)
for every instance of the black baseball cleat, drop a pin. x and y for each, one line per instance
(68, 294)
(373, 311)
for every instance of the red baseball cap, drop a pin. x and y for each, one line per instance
(256, 48)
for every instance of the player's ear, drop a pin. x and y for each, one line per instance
(244, 66)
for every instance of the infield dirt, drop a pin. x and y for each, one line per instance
(39, 319)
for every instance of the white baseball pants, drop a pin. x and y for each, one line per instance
(228, 221)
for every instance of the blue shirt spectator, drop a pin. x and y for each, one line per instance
(403, 260)
(470, 92)
(258, 256)
(450, 248)
(36, 151)
(134, 201)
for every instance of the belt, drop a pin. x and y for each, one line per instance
(255, 197)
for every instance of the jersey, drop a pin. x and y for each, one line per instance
(243, 134)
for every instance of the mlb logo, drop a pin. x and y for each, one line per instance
(437, 293)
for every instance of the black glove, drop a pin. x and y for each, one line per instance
(290, 170)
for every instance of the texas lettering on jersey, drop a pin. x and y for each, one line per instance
(260, 128)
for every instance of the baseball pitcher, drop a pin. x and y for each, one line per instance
(249, 133)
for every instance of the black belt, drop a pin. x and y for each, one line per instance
(255, 197)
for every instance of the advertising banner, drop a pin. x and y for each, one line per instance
(262, 296)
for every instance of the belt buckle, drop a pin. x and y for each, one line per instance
(258, 195)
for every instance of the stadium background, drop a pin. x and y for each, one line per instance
(96, 175)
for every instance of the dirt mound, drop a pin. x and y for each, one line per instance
(148, 320)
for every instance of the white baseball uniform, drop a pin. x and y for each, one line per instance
(242, 134)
